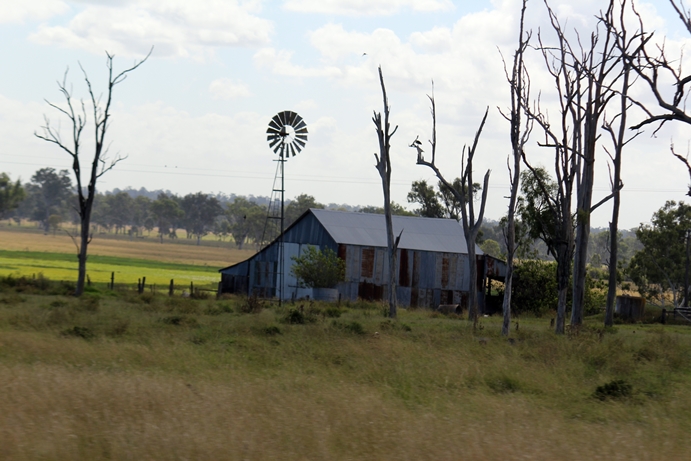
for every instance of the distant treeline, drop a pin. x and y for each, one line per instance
(49, 200)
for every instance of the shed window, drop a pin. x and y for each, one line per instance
(367, 266)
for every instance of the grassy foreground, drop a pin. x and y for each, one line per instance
(124, 376)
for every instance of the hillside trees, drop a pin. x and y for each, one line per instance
(396, 209)
(246, 220)
(298, 206)
(199, 214)
(440, 203)
(49, 192)
(166, 213)
(425, 195)
(76, 114)
(11, 194)
(661, 265)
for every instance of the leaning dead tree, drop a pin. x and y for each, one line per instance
(520, 128)
(464, 195)
(76, 113)
(383, 166)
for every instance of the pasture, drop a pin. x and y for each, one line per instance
(126, 376)
(26, 252)
(118, 375)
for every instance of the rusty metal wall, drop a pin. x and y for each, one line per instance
(425, 278)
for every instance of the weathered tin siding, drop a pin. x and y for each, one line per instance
(424, 278)
(260, 274)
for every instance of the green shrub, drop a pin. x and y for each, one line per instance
(318, 269)
(180, 320)
(79, 332)
(616, 389)
(251, 305)
(271, 330)
(535, 289)
(295, 317)
(503, 384)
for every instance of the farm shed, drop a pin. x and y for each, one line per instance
(432, 260)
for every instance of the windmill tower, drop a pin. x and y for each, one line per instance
(287, 136)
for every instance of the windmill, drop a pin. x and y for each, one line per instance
(287, 136)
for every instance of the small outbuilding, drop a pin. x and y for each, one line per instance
(432, 269)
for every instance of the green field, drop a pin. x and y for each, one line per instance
(119, 376)
(62, 266)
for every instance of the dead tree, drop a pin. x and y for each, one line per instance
(384, 168)
(100, 164)
(652, 66)
(616, 129)
(584, 76)
(554, 221)
(464, 195)
(520, 129)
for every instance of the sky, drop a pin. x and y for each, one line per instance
(193, 117)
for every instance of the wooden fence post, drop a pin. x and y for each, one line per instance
(171, 289)
(191, 288)
(112, 281)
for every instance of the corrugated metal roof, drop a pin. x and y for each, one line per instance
(368, 229)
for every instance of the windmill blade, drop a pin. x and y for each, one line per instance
(299, 124)
(282, 118)
(302, 137)
(275, 123)
(299, 144)
(273, 142)
(272, 130)
(292, 150)
(292, 118)
(301, 130)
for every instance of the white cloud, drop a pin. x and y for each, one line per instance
(224, 88)
(366, 7)
(279, 63)
(176, 28)
(30, 10)
(307, 104)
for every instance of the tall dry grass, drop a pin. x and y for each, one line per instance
(166, 379)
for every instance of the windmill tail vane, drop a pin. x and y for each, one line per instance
(287, 134)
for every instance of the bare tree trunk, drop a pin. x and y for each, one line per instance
(519, 93)
(384, 168)
(618, 141)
